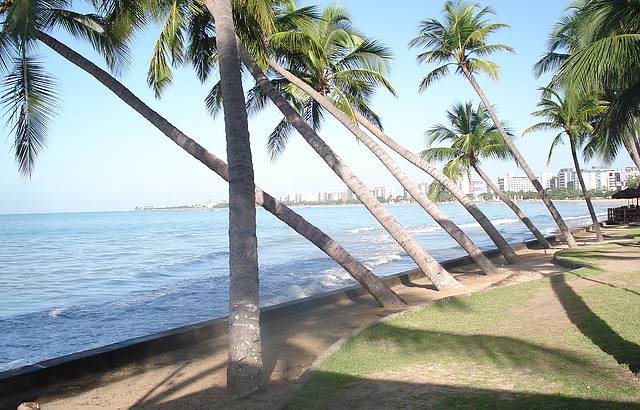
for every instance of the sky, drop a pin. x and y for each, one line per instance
(101, 155)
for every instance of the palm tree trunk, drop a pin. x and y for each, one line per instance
(376, 287)
(495, 236)
(504, 198)
(412, 188)
(632, 149)
(592, 212)
(564, 230)
(244, 370)
(431, 268)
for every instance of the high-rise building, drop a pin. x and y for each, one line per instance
(567, 178)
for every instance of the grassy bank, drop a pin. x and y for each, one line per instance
(566, 341)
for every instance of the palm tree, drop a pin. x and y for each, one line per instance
(574, 120)
(470, 139)
(343, 65)
(362, 68)
(566, 39)
(244, 369)
(427, 264)
(202, 52)
(461, 41)
(378, 289)
(606, 56)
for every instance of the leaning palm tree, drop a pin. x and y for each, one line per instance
(460, 41)
(342, 64)
(574, 119)
(353, 111)
(187, 36)
(469, 140)
(427, 264)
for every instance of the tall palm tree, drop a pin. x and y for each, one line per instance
(573, 118)
(427, 264)
(244, 370)
(378, 289)
(568, 38)
(343, 65)
(461, 41)
(203, 53)
(471, 139)
(351, 111)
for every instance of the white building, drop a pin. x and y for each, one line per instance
(547, 179)
(515, 183)
(591, 179)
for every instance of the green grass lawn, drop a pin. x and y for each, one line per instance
(566, 341)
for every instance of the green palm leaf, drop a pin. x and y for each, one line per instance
(29, 98)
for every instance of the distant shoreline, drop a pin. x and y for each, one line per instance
(594, 200)
(327, 205)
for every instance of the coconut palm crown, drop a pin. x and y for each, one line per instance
(471, 138)
(605, 56)
(572, 117)
(327, 52)
(459, 40)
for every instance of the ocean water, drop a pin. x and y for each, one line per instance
(71, 282)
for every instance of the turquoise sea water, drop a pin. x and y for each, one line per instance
(75, 281)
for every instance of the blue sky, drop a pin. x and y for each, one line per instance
(101, 155)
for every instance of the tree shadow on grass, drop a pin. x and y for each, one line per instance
(363, 393)
(329, 390)
(501, 361)
(611, 285)
(593, 327)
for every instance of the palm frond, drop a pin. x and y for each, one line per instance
(213, 100)
(433, 76)
(94, 29)
(278, 139)
(29, 98)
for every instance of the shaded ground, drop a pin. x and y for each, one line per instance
(195, 377)
(567, 341)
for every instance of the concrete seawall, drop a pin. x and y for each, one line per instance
(29, 381)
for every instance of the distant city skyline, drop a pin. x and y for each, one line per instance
(596, 177)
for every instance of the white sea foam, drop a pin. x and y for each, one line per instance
(358, 230)
(425, 229)
(334, 277)
(55, 312)
(382, 260)
(470, 225)
(506, 221)
(298, 292)
(381, 239)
